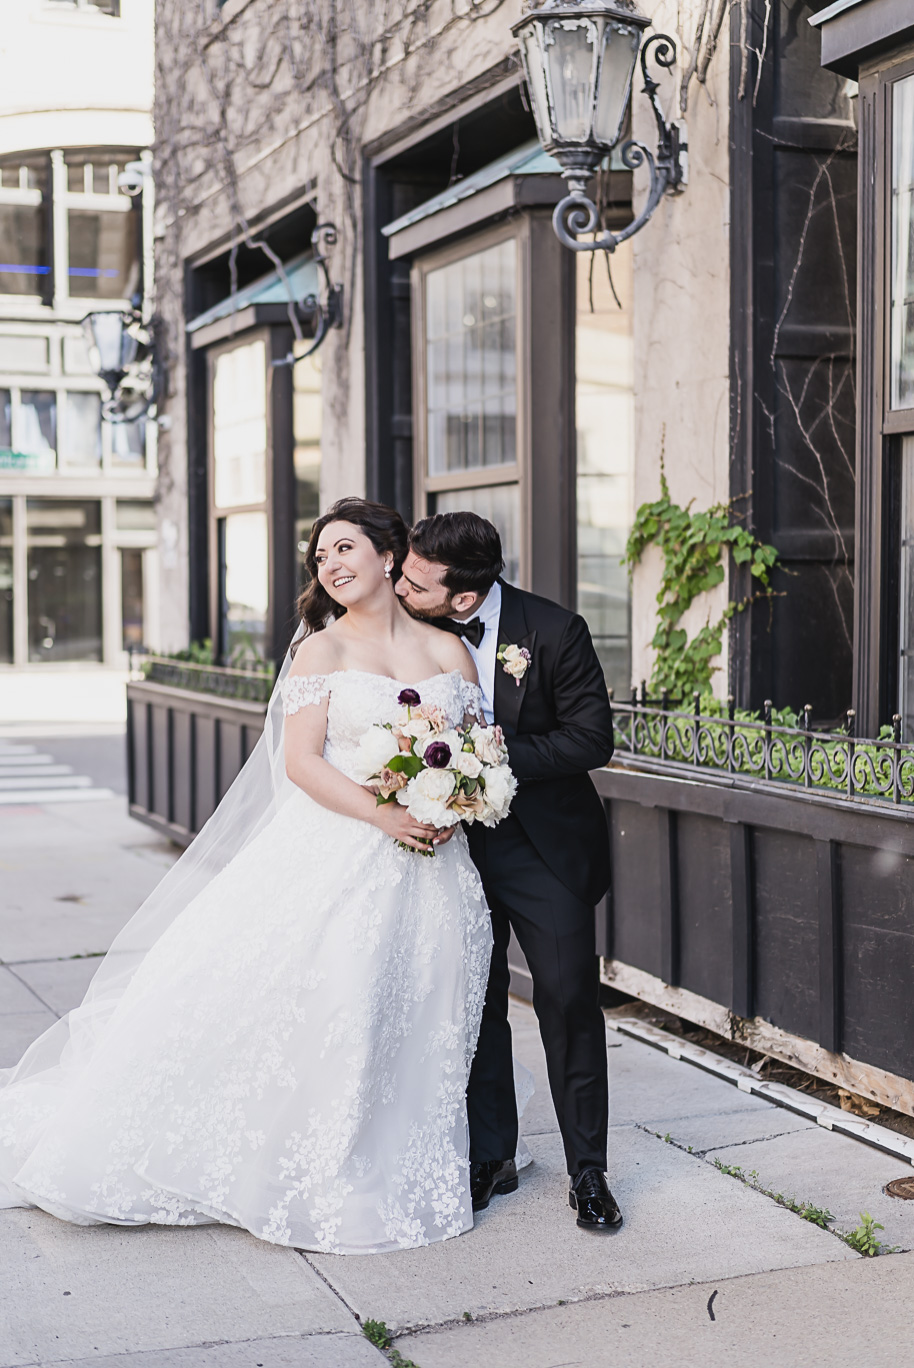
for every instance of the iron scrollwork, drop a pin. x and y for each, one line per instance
(577, 214)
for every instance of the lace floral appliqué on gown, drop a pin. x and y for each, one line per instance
(292, 1054)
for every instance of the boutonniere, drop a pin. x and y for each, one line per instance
(515, 661)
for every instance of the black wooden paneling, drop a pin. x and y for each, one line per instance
(205, 797)
(793, 235)
(636, 840)
(182, 784)
(786, 938)
(161, 761)
(877, 900)
(139, 738)
(705, 929)
(230, 755)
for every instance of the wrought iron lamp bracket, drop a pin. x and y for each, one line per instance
(329, 313)
(577, 214)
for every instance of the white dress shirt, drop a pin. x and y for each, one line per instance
(489, 613)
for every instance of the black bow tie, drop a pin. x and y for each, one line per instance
(474, 630)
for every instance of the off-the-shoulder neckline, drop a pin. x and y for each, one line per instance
(371, 674)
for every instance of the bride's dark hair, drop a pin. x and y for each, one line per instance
(383, 527)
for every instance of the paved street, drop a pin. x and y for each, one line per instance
(707, 1270)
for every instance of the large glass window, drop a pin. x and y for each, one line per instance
(6, 581)
(131, 598)
(82, 431)
(306, 423)
(64, 579)
(245, 595)
(37, 425)
(128, 444)
(104, 253)
(906, 620)
(24, 252)
(240, 426)
(902, 300)
(604, 408)
(469, 419)
(471, 361)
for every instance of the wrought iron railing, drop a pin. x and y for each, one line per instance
(658, 734)
(252, 684)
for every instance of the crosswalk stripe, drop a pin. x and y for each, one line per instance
(29, 772)
(31, 797)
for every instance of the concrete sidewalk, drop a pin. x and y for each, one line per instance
(707, 1269)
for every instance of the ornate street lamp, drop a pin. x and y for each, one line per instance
(579, 56)
(122, 354)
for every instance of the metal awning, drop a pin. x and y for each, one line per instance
(263, 301)
(525, 176)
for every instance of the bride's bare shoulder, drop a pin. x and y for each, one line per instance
(318, 653)
(447, 650)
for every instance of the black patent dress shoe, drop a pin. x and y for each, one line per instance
(491, 1179)
(590, 1197)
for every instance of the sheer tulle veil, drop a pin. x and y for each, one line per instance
(258, 792)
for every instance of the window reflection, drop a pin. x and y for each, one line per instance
(128, 443)
(83, 431)
(37, 427)
(6, 581)
(244, 567)
(471, 361)
(500, 504)
(604, 407)
(64, 579)
(306, 421)
(240, 426)
(25, 264)
(104, 253)
(902, 304)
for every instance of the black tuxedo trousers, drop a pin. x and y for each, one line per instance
(555, 930)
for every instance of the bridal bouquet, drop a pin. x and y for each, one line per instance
(441, 774)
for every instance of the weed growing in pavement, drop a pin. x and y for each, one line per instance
(819, 1216)
(379, 1335)
(864, 1238)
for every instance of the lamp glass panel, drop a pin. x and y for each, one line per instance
(571, 58)
(64, 579)
(240, 425)
(620, 49)
(902, 306)
(536, 81)
(6, 581)
(82, 432)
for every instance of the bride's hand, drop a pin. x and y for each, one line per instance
(397, 822)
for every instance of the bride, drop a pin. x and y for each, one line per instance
(280, 1039)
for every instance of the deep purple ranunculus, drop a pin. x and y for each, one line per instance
(438, 755)
(409, 698)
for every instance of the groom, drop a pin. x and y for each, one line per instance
(547, 863)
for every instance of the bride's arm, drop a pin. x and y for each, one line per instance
(304, 736)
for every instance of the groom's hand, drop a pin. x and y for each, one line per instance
(442, 837)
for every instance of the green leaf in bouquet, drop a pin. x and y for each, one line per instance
(410, 765)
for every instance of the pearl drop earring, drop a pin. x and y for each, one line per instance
(388, 571)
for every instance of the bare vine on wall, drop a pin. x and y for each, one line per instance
(253, 79)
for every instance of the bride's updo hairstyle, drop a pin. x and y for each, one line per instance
(383, 527)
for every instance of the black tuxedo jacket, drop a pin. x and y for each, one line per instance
(557, 723)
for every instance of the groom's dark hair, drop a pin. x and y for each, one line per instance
(467, 545)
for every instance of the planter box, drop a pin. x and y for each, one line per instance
(782, 917)
(184, 749)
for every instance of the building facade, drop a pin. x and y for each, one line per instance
(479, 363)
(78, 572)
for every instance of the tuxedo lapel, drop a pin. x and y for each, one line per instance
(512, 631)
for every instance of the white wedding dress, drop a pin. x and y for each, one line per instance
(291, 1055)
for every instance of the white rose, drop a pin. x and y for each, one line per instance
(468, 763)
(501, 787)
(511, 654)
(416, 727)
(376, 749)
(486, 745)
(426, 796)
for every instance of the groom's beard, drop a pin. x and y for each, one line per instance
(443, 610)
